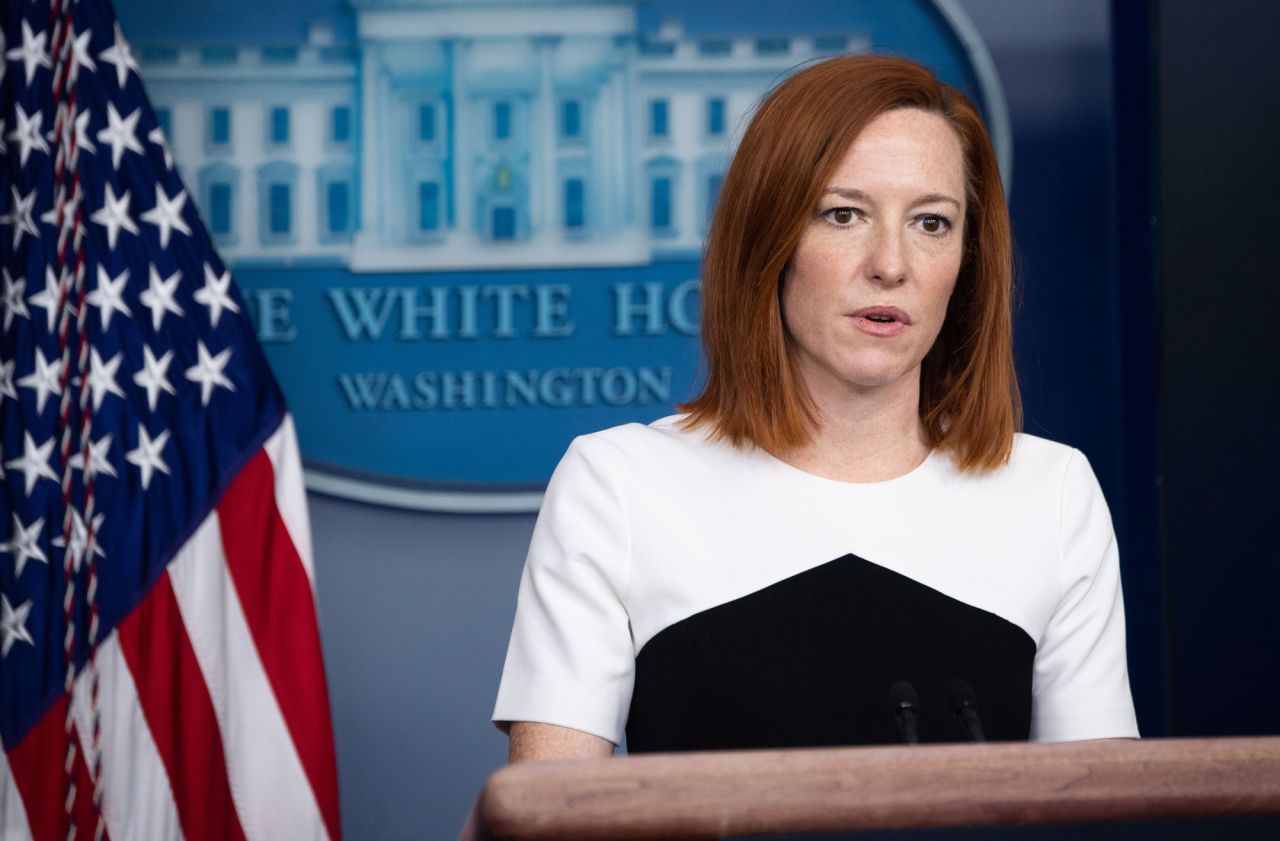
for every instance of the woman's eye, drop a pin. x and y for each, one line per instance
(842, 215)
(933, 224)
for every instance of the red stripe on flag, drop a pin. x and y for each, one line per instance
(179, 712)
(276, 597)
(36, 764)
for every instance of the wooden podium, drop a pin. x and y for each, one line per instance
(714, 795)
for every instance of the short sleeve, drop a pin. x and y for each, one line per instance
(1081, 680)
(571, 661)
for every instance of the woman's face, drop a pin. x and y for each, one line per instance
(866, 292)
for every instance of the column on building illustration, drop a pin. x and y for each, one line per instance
(546, 214)
(459, 51)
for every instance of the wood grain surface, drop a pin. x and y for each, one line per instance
(712, 795)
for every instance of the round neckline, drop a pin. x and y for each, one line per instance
(934, 456)
(925, 464)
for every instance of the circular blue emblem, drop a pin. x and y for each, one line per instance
(469, 232)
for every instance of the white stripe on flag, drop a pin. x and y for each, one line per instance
(272, 795)
(137, 800)
(291, 498)
(13, 815)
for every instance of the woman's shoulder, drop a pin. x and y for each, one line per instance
(1037, 474)
(665, 436)
(640, 456)
(1031, 452)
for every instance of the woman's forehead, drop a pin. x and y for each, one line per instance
(907, 150)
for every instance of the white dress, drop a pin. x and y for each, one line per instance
(695, 595)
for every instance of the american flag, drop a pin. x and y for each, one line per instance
(160, 666)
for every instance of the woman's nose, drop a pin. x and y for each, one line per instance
(887, 263)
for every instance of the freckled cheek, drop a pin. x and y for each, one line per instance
(939, 300)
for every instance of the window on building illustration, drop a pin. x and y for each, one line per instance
(504, 223)
(340, 124)
(574, 210)
(218, 55)
(279, 55)
(159, 55)
(772, 46)
(660, 203)
(427, 123)
(501, 120)
(220, 209)
(279, 125)
(164, 119)
(220, 126)
(571, 119)
(713, 192)
(279, 209)
(715, 116)
(658, 118)
(338, 206)
(428, 206)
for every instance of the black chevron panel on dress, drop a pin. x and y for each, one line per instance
(808, 661)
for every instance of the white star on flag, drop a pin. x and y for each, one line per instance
(83, 143)
(80, 50)
(47, 298)
(121, 56)
(146, 456)
(34, 463)
(208, 372)
(19, 215)
(121, 133)
(216, 294)
(24, 544)
(13, 303)
(102, 377)
(156, 136)
(50, 216)
(6, 382)
(154, 376)
(80, 538)
(98, 461)
(167, 214)
(46, 379)
(108, 297)
(32, 53)
(27, 133)
(158, 296)
(114, 215)
(13, 624)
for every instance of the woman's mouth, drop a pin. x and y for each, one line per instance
(881, 321)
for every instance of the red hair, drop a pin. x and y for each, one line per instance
(754, 393)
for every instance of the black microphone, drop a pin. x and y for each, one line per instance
(904, 703)
(962, 702)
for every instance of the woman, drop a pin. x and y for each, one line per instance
(847, 508)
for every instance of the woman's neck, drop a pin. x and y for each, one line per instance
(864, 435)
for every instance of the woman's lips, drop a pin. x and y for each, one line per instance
(880, 321)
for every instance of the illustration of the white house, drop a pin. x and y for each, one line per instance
(467, 134)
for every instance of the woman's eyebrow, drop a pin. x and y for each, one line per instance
(845, 193)
(930, 198)
(857, 195)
